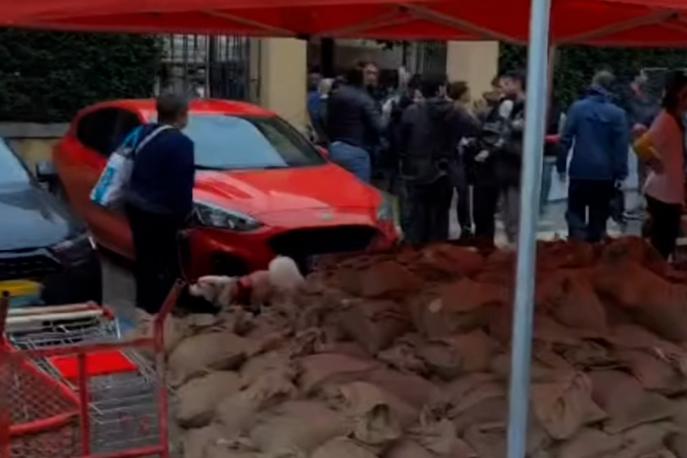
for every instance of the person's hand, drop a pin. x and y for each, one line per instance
(638, 130)
(482, 156)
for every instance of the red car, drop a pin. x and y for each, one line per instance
(261, 188)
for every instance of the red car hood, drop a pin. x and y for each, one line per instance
(258, 192)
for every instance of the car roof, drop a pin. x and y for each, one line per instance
(146, 107)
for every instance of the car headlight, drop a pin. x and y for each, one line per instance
(387, 210)
(74, 250)
(210, 216)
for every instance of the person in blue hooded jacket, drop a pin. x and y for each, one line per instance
(596, 131)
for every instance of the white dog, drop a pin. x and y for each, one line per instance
(255, 290)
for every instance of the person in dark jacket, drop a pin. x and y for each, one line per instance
(353, 120)
(466, 126)
(427, 149)
(551, 146)
(159, 200)
(597, 130)
(508, 153)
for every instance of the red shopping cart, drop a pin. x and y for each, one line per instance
(78, 390)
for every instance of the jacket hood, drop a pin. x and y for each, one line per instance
(600, 92)
(438, 108)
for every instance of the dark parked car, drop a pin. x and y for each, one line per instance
(46, 255)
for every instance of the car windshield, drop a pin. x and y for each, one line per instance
(235, 143)
(12, 171)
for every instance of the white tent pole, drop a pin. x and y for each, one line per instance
(530, 185)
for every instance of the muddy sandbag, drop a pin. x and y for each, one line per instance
(407, 448)
(297, 426)
(274, 361)
(653, 373)
(236, 414)
(200, 354)
(452, 356)
(363, 400)
(342, 447)
(374, 324)
(460, 307)
(678, 444)
(546, 365)
(331, 368)
(403, 355)
(644, 440)
(590, 443)
(473, 399)
(195, 441)
(590, 355)
(386, 279)
(449, 260)
(413, 389)
(578, 305)
(438, 435)
(626, 402)
(487, 439)
(198, 398)
(563, 406)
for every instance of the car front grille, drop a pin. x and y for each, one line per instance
(302, 244)
(22, 266)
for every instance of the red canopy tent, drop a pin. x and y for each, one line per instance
(653, 23)
(592, 22)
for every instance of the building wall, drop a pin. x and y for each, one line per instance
(283, 78)
(474, 62)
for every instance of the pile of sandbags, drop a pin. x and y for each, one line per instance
(406, 355)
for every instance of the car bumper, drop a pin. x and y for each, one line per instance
(73, 284)
(225, 252)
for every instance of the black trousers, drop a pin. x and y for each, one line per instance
(158, 264)
(463, 207)
(485, 202)
(665, 225)
(428, 211)
(589, 207)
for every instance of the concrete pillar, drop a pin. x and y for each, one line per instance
(475, 62)
(283, 78)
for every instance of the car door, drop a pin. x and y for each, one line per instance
(80, 160)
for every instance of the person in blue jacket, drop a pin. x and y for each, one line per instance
(596, 130)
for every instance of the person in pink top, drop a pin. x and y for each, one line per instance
(665, 185)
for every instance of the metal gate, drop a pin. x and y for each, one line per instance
(206, 66)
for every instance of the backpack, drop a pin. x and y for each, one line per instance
(108, 192)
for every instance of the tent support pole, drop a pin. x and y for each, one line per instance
(530, 185)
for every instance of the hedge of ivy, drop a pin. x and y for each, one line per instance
(576, 65)
(48, 76)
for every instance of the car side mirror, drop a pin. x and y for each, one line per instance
(324, 152)
(46, 174)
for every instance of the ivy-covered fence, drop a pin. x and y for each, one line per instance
(49, 76)
(576, 65)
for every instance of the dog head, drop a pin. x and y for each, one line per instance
(216, 289)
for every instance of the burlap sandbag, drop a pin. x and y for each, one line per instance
(578, 305)
(645, 440)
(590, 443)
(198, 398)
(452, 356)
(565, 405)
(374, 324)
(386, 279)
(460, 307)
(445, 260)
(653, 373)
(487, 439)
(377, 413)
(297, 426)
(678, 444)
(200, 354)
(256, 367)
(237, 413)
(473, 399)
(413, 389)
(342, 447)
(331, 368)
(403, 355)
(626, 402)
(407, 448)
(195, 441)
